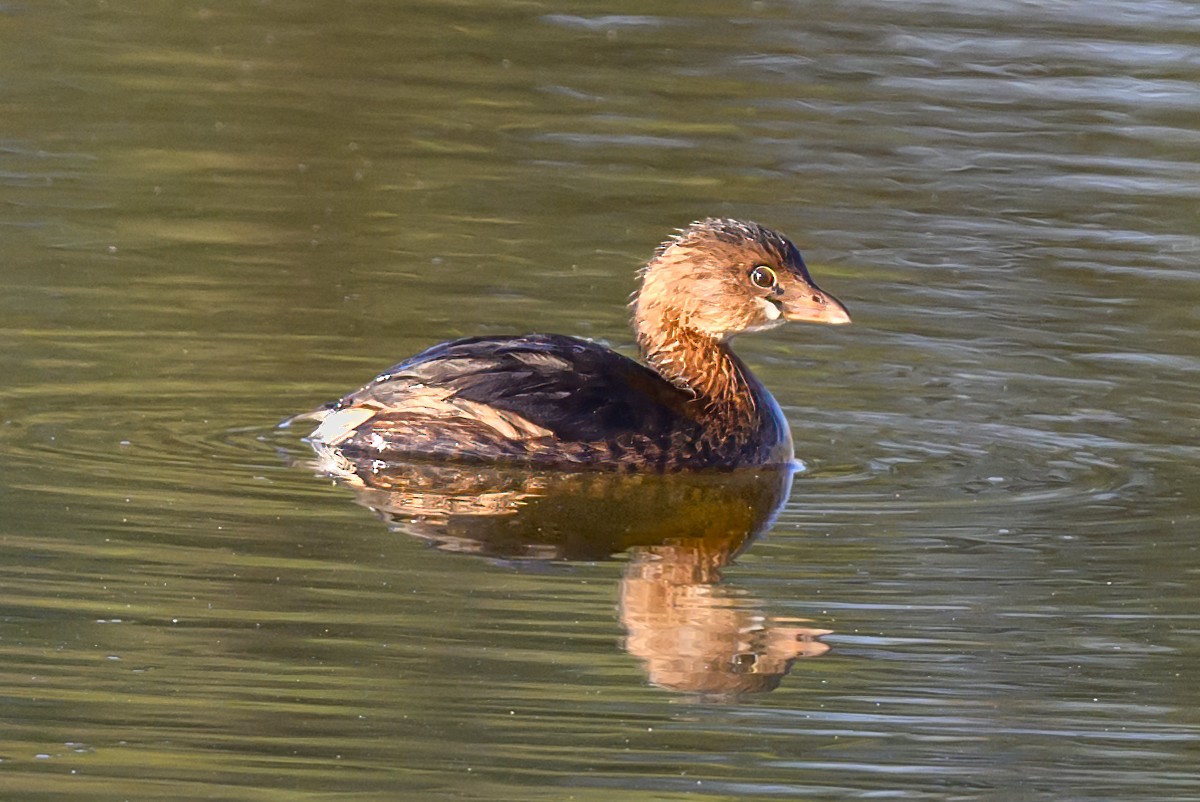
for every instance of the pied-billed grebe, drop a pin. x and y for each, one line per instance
(549, 399)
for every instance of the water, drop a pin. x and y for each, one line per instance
(983, 585)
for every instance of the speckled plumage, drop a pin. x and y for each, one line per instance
(547, 399)
(557, 400)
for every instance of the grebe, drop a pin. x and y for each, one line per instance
(553, 400)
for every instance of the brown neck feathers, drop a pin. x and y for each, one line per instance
(701, 364)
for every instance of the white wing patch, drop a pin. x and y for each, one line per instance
(340, 424)
(426, 406)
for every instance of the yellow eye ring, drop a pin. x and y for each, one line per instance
(763, 277)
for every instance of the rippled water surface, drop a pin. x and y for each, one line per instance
(984, 584)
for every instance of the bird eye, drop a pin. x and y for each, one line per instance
(763, 277)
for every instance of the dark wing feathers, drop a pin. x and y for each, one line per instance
(579, 390)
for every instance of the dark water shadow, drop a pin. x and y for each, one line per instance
(692, 632)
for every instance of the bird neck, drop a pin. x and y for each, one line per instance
(699, 363)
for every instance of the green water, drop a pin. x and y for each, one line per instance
(218, 215)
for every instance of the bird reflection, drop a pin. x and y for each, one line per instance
(692, 633)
